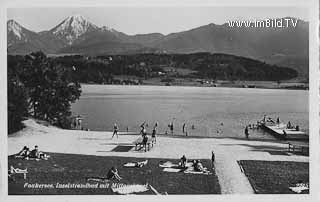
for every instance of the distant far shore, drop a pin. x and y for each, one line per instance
(288, 85)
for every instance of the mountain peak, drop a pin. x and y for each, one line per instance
(15, 28)
(72, 28)
(76, 17)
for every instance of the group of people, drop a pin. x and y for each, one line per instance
(143, 130)
(196, 164)
(25, 153)
(77, 123)
(270, 120)
(290, 126)
(184, 128)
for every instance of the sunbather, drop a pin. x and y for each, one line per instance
(270, 120)
(197, 165)
(24, 152)
(35, 153)
(137, 164)
(113, 174)
(141, 163)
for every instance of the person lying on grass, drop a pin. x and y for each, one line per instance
(35, 153)
(113, 174)
(24, 152)
(197, 165)
(141, 163)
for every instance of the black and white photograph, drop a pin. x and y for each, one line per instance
(158, 100)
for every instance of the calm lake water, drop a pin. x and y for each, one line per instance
(214, 112)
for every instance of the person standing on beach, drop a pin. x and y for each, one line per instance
(153, 135)
(154, 132)
(142, 128)
(115, 130)
(144, 141)
(212, 158)
(171, 127)
(184, 129)
(246, 132)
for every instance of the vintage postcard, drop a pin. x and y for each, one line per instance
(160, 100)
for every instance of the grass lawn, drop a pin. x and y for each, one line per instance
(275, 177)
(72, 168)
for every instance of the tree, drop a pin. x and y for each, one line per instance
(17, 104)
(51, 89)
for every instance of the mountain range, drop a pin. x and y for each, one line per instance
(76, 35)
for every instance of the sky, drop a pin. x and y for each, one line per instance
(141, 20)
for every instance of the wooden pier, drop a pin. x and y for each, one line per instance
(282, 132)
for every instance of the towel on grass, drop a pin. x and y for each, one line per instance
(198, 172)
(300, 187)
(97, 179)
(172, 170)
(191, 170)
(168, 164)
(136, 164)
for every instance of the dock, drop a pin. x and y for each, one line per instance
(282, 132)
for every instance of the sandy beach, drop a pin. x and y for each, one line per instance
(227, 150)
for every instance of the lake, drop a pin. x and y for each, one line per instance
(214, 112)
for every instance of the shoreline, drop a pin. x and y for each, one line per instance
(226, 84)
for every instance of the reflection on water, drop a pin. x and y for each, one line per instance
(214, 112)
